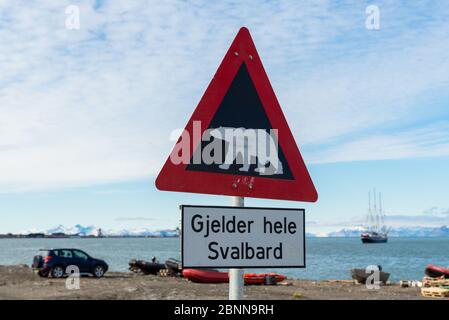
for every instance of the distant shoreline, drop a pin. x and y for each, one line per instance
(22, 236)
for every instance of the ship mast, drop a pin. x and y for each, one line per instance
(376, 212)
(376, 229)
(370, 213)
(380, 202)
(380, 212)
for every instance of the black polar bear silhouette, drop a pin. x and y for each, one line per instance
(250, 146)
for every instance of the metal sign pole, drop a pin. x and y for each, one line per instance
(236, 282)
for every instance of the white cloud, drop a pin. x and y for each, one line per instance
(437, 212)
(416, 143)
(98, 104)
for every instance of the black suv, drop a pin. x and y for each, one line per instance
(54, 262)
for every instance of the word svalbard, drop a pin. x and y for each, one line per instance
(244, 251)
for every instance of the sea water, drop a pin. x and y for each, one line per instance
(326, 258)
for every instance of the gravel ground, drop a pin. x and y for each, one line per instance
(20, 282)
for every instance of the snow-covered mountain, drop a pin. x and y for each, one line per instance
(93, 231)
(442, 231)
(142, 232)
(76, 229)
(355, 231)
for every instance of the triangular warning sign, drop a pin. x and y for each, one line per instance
(237, 141)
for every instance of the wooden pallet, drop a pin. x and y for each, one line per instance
(166, 273)
(435, 292)
(435, 282)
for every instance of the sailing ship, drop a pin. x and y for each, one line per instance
(376, 231)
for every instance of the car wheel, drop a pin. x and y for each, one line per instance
(57, 272)
(99, 271)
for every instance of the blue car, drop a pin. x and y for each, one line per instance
(54, 262)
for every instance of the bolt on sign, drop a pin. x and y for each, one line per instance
(238, 142)
(233, 237)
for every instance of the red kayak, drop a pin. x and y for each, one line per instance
(263, 278)
(209, 276)
(205, 276)
(436, 271)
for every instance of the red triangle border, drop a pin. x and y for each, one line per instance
(176, 178)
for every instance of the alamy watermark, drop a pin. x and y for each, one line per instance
(227, 146)
(73, 280)
(373, 281)
(72, 20)
(372, 21)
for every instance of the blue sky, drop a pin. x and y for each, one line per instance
(86, 115)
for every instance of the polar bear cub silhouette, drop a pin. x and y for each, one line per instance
(249, 146)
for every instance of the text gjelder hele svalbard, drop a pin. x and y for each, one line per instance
(233, 225)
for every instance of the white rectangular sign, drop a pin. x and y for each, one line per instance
(240, 237)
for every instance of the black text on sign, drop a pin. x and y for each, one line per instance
(223, 237)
